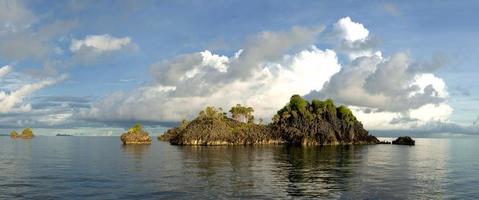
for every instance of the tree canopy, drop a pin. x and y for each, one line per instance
(137, 128)
(242, 113)
(212, 112)
(300, 107)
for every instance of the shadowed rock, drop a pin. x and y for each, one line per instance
(406, 140)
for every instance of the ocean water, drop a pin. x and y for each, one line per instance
(102, 168)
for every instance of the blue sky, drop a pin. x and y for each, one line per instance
(154, 39)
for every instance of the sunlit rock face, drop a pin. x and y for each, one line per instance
(136, 135)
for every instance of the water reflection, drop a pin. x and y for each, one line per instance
(316, 171)
(135, 151)
(100, 168)
(273, 170)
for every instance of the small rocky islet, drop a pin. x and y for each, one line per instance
(405, 140)
(26, 134)
(136, 135)
(300, 122)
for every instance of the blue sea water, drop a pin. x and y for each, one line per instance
(103, 168)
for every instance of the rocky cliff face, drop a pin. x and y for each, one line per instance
(299, 122)
(319, 123)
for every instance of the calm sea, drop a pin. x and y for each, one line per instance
(102, 168)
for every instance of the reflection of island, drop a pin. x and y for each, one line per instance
(137, 151)
(315, 172)
(230, 169)
(272, 170)
(300, 122)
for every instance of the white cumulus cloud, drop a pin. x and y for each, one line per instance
(385, 92)
(182, 92)
(100, 43)
(12, 101)
(351, 31)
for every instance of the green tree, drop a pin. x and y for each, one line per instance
(137, 128)
(212, 112)
(242, 113)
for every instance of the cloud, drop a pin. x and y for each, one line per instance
(12, 101)
(14, 16)
(92, 47)
(100, 43)
(351, 31)
(5, 70)
(190, 82)
(394, 92)
(24, 37)
(354, 39)
(49, 111)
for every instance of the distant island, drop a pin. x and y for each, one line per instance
(136, 135)
(300, 122)
(26, 134)
(60, 134)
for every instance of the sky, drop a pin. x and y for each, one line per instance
(96, 67)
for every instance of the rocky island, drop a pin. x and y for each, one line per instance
(26, 134)
(14, 134)
(405, 140)
(136, 135)
(299, 122)
(213, 127)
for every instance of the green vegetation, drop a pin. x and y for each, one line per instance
(212, 112)
(299, 107)
(242, 113)
(346, 114)
(137, 128)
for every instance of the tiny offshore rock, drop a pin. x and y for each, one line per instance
(136, 135)
(405, 140)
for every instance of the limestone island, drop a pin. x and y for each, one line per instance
(26, 134)
(405, 140)
(136, 135)
(298, 123)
